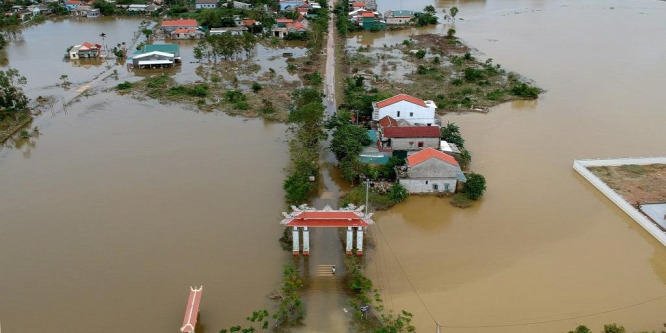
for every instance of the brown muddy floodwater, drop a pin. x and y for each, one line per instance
(542, 245)
(120, 205)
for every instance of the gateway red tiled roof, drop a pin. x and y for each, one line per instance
(368, 14)
(411, 132)
(427, 154)
(327, 218)
(387, 121)
(401, 97)
(192, 310)
(180, 23)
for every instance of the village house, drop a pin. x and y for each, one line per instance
(186, 33)
(367, 19)
(200, 4)
(409, 138)
(169, 26)
(156, 56)
(234, 31)
(412, 109)
(430, 171)
(357, 5)
(240, 5)
(284, 26)
(41, 8)
(73, 4)
(397, 17)
(135, 9)
(286, 5)
(84, 51)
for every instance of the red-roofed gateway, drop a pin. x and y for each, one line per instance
(192, 310)
(305, 217)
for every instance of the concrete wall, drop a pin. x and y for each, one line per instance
(433, 168)
(428, 185)
(397, 20)
(581, 167)
(413, 113)
(404, 143)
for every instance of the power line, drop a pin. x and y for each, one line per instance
(562, 319)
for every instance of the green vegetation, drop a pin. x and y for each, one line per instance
(224, 46)
(454, 12)
(124, 86)
(198, 90)
(525, 90)
(427, 17)
(290, 307)
(307, 129)
(358, 99)
(259, 317)
(397, 193)
(13, 101)
(475, 186)
(342, 23)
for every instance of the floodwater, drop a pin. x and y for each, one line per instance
(119, 206)
(543, 251)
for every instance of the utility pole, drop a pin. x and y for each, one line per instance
(367, 185)
(438, 327)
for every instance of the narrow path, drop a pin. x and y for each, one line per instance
(325, 294)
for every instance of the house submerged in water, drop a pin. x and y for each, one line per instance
(156, 56)
(84, 51)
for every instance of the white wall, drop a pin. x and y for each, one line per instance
(403, 143)
(427, 185)
(413, 113)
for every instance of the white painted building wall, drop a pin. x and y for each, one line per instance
(429, 185)
(414, 114)
(398, 20)
(205, 5)
(413, 143)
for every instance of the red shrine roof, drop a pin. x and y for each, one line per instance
(328, 218)
(192, 310)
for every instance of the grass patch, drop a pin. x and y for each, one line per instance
(461, 200)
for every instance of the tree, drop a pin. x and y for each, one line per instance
(349, 140)
(613, 328)
(12, 98)
(454, 12)
(474, 189)
(103, 36)
(397, 193)
(147, 33)
(450, 33)
(451, 133)
(65, 81)
(581, 329)
(429, 9)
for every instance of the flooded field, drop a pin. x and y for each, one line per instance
(542, 246)
(120, 205)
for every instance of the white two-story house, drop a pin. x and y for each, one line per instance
(412, 109)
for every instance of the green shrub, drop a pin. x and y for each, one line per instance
(473, 74)
(234, 96)
(256, 87)
(397, 193)
(475, 186)
(242, 105)
(124, 86)
(461, 200)
(525, 90)
(457, 82)
(157, 82)
(420, 54)
(495, 95)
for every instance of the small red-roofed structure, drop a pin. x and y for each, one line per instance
(412, 109)
(305, 217)
(192, 310)
(430, 171)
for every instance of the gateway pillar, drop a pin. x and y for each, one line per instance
(306, 241)
(350, 240)
(296, 248)
(359, 241)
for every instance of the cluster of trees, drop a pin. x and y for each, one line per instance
(347, 143)
(224, 46)
(342, 23)
(306, 121)
(13, 100)
(290, 308)
(358, 99)
(608, 328)
(259, 317)
(427, 17)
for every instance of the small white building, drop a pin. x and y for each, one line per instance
(200, 4)
(412, 109)
(430, 171)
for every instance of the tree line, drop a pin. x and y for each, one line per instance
(224, 46)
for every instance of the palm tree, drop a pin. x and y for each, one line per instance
(103, 35)
(454, 12)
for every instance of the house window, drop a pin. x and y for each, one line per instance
(446, 187)
(411, 143)
(435, 187)
(426, 182)
(397, 114)
(411, 114)
(420, 144)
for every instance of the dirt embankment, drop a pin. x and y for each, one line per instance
(438, 68)
(635, 183)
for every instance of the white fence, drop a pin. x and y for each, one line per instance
(581, 167)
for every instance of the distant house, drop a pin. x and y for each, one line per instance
(169, 26)
(199, 4)
(156, 56)
(186, 33)
(241, 5)
(367, 19)
(357, 5)
(409, 138)
(290, 4)
(230, 30)
(41, 8)
(84, 51)
(430, 171)
(412, 109)
(285, 26)
(134, 9)
(93, 13)
(73, 4)
(396, 17)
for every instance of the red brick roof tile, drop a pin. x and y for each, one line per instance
(427, 154)
(401, 97)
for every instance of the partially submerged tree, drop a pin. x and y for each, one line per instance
(454, 12)
(12, 99)
(475, 186)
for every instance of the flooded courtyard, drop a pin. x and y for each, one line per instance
(119, 205)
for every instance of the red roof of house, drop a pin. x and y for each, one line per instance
(387, 121)
(327, 218)
(180, 23)
(367, 14)
(358, 4)
(401, 97)
(284, 20)
(427, 154)
(248, 22)
(411, 132)
(296, 25)
(88, 46)
(74, 2)
(192, 310)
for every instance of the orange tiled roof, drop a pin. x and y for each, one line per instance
(180, 23)
(401, 97)
(427, 154)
